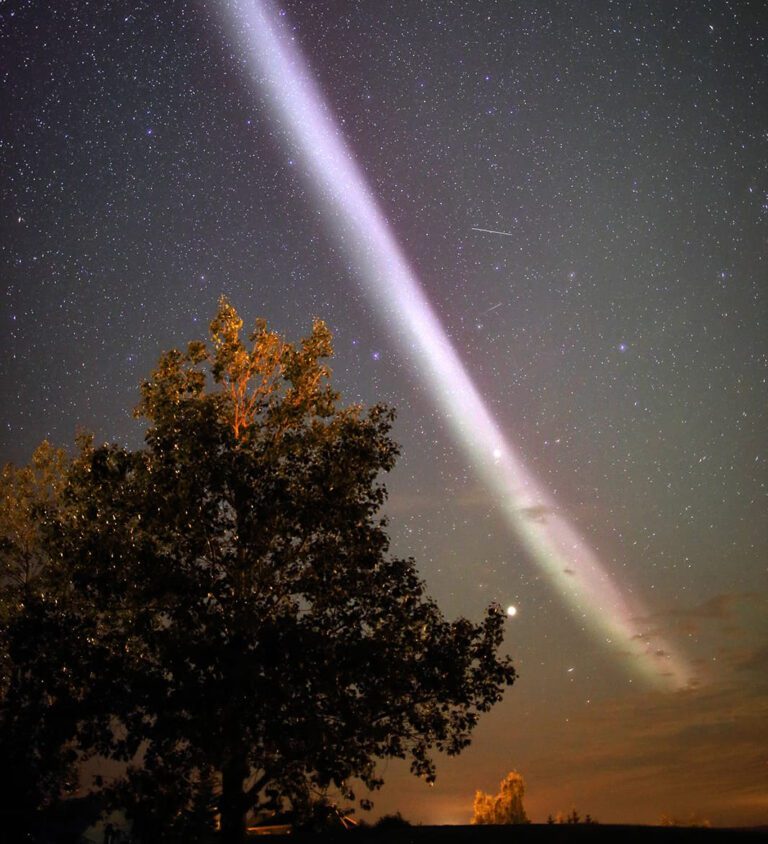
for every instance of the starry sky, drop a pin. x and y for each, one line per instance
(612, 317)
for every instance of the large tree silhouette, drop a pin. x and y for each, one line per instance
(251, 626)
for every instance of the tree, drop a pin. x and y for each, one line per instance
(506, 807)
(38, 710)
(572, 817)
(235, 571)
(26, 494)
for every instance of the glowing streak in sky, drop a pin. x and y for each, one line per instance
(492, 231)
(276, 65)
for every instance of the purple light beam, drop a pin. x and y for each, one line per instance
(275, 65)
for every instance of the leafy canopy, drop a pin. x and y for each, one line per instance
(247, 618)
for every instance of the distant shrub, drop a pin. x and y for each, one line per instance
(395, 821)
(572, 817)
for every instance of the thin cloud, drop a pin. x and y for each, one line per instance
(757, 660)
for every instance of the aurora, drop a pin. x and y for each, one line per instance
(278, 71)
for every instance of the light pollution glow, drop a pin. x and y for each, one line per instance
(276, 66)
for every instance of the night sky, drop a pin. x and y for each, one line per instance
(612, 317)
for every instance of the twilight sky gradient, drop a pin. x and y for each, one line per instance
(614, 326)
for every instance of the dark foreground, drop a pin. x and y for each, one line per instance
(522, 834)
(550, 834)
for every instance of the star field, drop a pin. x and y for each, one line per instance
(612, 314)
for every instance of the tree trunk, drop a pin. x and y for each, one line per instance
(233, 800)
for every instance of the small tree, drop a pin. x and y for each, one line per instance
(573, 817)
(237, 577)
(506, 807)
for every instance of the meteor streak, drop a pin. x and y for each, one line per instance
(278, 69)
(492, 231)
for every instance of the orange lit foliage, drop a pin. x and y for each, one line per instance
(25, 493)
(506, 807)
(251, 379)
